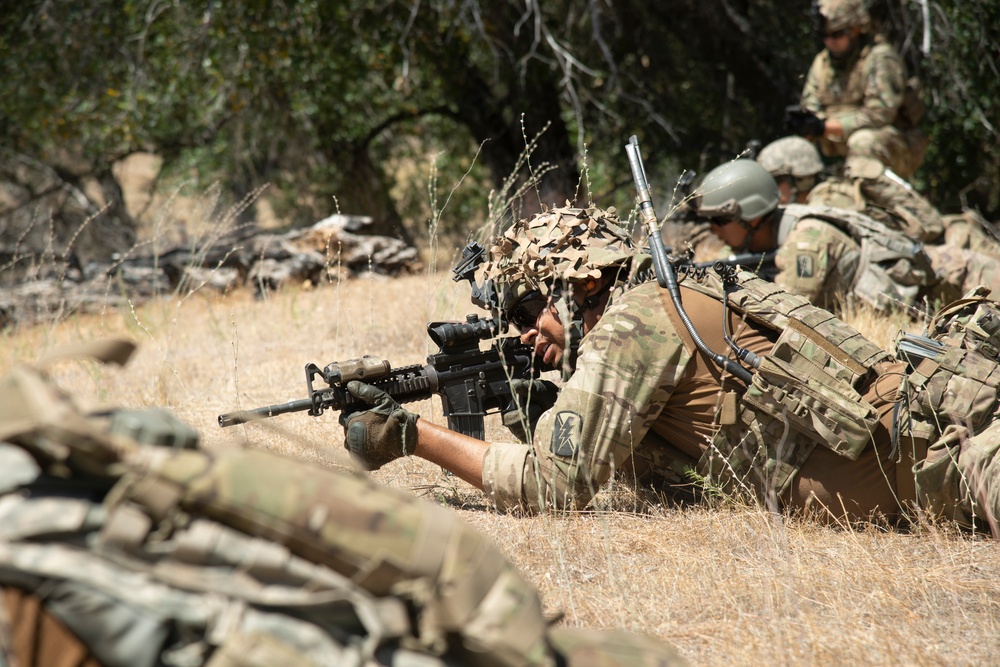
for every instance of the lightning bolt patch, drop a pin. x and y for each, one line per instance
(566, 433)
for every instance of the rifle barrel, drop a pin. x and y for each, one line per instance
(244, 416)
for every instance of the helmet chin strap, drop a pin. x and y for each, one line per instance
(753, 231)
(750, 230)
(572, 314)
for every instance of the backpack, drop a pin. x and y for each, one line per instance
(165, 552)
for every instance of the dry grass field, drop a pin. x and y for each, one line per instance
(726, 585)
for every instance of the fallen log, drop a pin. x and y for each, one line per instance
(335, 247)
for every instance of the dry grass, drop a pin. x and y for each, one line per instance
(731, 585)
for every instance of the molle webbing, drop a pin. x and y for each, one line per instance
(961, 383)
(382, 540)
(806, 392)
(773, 307)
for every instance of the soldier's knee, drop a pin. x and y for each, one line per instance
(960, 477)
(866, 143)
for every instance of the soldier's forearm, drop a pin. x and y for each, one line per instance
(833, 130)
(453, 451)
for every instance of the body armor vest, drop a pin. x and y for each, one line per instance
(169, 554)
(808, 391)
(956, 376)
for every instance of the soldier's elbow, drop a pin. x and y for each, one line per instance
(573, 491)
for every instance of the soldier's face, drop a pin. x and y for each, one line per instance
(542, 327)
(730, 231)
(785, 191)
(840, 42)
(546, 333)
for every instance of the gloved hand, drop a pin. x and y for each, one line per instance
(380, 434)
(531, 399)
(803, 122)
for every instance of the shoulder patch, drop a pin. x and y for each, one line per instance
(805, 266)
(566, 433)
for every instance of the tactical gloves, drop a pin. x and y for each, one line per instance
(532, 398)
(382, 433)
(803, 122)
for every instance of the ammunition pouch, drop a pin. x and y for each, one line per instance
(954, 395)
(957, 382)
(892, 270)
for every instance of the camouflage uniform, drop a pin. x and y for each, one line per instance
(644, 400)
(827, 254)
(830, 422)
(865, 94)
(868, 187)
(962, 263)
(131, 553)
(971, 231)
(960, 270)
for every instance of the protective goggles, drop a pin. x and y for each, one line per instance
(525, 312)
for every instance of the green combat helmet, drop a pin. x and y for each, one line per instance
(842, 14)
(553, 247)
(740, 189)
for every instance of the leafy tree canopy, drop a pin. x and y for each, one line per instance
(341, 103)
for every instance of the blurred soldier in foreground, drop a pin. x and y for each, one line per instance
(123, 543)
(856, 101)
(733, 387)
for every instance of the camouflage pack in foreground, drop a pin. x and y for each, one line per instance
(124, 543)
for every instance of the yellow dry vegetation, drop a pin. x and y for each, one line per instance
(727, 585)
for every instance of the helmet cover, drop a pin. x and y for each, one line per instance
(843, 14)
(791, 156)
(559, 245)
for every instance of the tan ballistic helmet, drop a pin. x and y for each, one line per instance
(843, 14)
(562, 244)
(739, 189)
(791, 156)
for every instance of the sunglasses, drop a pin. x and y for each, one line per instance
(836, 34)
(525, 312)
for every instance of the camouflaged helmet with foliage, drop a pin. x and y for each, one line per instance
(559, 245)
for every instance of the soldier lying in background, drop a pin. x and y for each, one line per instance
(961, 251)
(824, 254)
(123, 543)
(867, 186)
